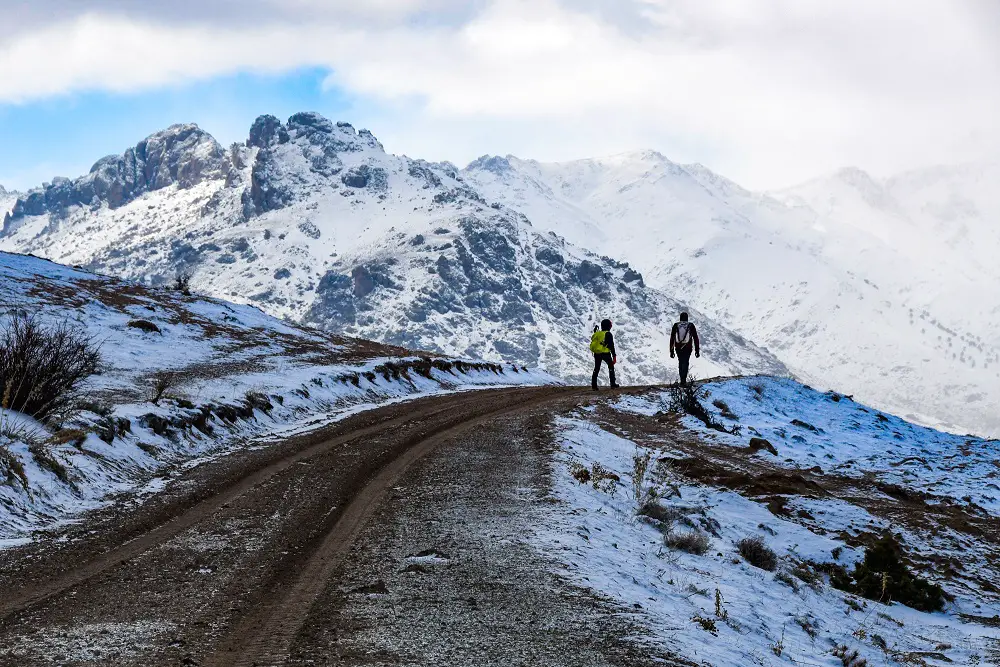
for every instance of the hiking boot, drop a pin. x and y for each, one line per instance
(616, 386)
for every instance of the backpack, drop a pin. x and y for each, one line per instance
(597, 345)
(683, 334)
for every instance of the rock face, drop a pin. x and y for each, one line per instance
(310, 137)
(182, 154)
(490, 287)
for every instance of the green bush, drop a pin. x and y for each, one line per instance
(883, 576)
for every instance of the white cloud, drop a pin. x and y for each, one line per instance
(766, 91)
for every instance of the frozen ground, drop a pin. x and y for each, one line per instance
(234, 378)
(843, 474)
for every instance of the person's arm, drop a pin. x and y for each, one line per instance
(609, 340)
(697, 343)
(673, 335)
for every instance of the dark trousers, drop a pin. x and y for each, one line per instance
(605, 358)
(684, 362)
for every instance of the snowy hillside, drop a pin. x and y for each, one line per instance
(839, 535)
(180, 377)
(314, 221)
(832, 277)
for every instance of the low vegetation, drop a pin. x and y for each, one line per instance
(182, 283)
(160, 385)
(42, 365)
(884, 577)
(691, 541)
(688, 399)
(11, 469)
(756, 552)
(658, 512)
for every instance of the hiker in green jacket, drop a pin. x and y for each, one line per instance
(602, 344)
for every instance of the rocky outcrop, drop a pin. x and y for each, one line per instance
(493, 163)
(182, 155)
(269, 190)
(267, 131)
(311, 143)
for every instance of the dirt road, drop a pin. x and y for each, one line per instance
(324, 549)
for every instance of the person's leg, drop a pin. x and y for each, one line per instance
(597, 371)
(610, 361)
(683, 363)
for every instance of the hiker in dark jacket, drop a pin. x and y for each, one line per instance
(683, 339)
(602, 344)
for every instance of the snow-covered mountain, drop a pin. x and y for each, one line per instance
(884, 290)
(314, 221)
(7, 200)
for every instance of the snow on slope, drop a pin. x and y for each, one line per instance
(7, 200)
(836, 486)
(314, 221)
(235, 372)
(846, 292)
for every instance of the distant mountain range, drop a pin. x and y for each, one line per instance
(314, 221)
(883, 289)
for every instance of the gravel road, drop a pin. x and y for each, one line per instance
(394, 537)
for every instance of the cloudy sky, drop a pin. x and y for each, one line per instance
(768, 92)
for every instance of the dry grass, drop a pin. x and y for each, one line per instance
(44, 458)
(757, 553)
(690, 541)
(12, 469)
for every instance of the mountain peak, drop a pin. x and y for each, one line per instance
(871, 190)
(856, 177)
(493, 163)
(182, 154)
(320, 130)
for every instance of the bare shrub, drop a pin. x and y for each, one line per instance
(809, 625)
(691, 541)
(725, 410)
(41, 366)
(160, 384)
(757, 553)
(720, 606)
(757, 388)
(707, 624)
(687, 398)
(848, 657)
(580, 473)
(655, 510)
(778, 647)
(603, 479)
(182, 283)
(640, 466)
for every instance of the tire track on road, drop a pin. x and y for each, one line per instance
(18, 601)
(265, 636)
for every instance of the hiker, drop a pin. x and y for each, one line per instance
(684, 337)
(602, 344)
